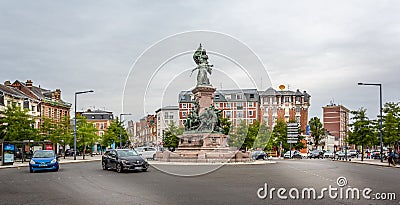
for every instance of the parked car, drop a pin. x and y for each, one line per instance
(44, 160)
(292, 154)
(329, 154)
(315, 154)
(259, 155)
(70, 152)
(147, 152)
(341, 155)
(123, 159)
(353, 153)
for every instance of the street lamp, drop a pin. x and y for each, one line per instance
(76, 95)
(120, 130)
(380, 114)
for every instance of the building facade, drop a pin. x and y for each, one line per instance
(165, 117)
(145, 131)
(237, 105)
(101, 120)
(50, 105)
(336, 120)
(250, 104)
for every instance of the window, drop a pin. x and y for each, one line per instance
(251, 95)
(1, 98)
(239, 96)
(183, 97)
(228, 105)
(239, 114)
(55, 113)
(184, 105)
(184, 114)
(298, 119)
(217, 96)
(228, 114)
(33, 108)
(287, 99)
(49, 112)
(228, 97)
(297, 109)
(251, 121)
(101, 126)
(239, 105)
(26, 104)
(250, 113)
(250, 104)
(216, 105)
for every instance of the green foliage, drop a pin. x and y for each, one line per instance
(86, 133)
(317, 130)
(391, 123)
(171, 136)
(226, 125)
(16, 125)
(112, 133)
(362, 129)
(237, 138)
(263, 136)
(279, 134)
(56, 132)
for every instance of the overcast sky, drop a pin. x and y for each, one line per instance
(323, 47)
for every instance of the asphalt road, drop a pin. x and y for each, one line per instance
(87, 183)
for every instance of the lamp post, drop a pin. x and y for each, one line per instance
(76, 95)
(380, 114)
(120, 130)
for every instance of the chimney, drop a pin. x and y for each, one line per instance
(7, 83)
(58, 94)
(29, 84)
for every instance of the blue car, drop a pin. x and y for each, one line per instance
(44, 160)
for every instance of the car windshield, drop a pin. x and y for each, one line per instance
(43, 154)
(127, 153)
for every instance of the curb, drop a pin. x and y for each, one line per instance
(212, 164)
(373, 164)
(61, 162)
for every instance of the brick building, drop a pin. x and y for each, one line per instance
(285, 105)
(250, 105)
(335, 120)
(50, 104)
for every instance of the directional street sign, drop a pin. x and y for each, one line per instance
(292, 133)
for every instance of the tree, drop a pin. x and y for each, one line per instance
(226, 125)
(171, 139)
(278, 136)
(317, 130)
(263, 136)
(362, 133)
(111, 135)
(64, 132)
(86, 133)
(391, 123)
(17, 125)
(237, 138)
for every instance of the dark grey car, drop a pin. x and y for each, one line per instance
(123, 159)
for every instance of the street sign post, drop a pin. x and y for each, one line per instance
(292, 133)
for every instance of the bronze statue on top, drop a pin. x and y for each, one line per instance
(201, 59)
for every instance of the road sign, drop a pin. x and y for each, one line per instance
(292, 132)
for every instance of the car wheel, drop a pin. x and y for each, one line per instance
(104, 166)
(119, 168)
(265, 157)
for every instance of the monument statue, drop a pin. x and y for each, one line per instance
(201, 59)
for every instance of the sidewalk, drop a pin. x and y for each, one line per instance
(375, 162)
(62, 161)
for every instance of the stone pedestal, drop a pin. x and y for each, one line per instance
(204, 95)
